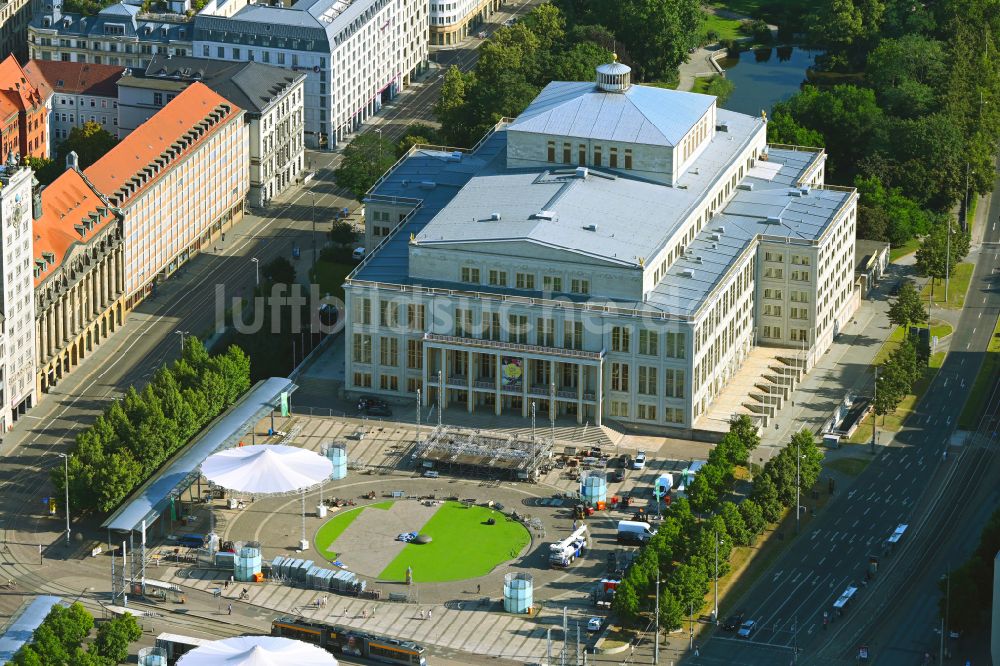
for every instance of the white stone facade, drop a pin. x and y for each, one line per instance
(18, 300)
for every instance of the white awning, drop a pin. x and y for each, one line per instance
(257, 651)
(267, 469)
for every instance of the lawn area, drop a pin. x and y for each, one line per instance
(989, 370)
(893, 422)
(724, 28)
(849, 466)
(939, 329)
(330, 275)
(959, 285)
(890, 344)
(908, 248)
(462, 546)
(701, 84)
(334, 527)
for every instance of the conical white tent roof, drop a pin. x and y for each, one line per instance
(257, 651)
(265, 469)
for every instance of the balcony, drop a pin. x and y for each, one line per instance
(513, 347)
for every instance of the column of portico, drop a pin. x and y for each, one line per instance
(468, 372)
(552, 394)
(599, 392)
(443, 380)
(424, 397)
(580, 378)
(63, 328)
(95, 290)
(498, 390)
(525, 410)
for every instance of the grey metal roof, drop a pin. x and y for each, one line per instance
(252, 86)
(143, 27)
(641, 114)
(22, 629)
(154, 497)
(306, 19)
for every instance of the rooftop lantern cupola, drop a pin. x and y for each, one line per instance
(614, 77)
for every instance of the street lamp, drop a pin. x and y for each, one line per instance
(715, 612)
(65, 458)
(798, 488)
(256, 268)
(182, 334)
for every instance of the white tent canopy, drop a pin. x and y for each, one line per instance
(257, 651)
(266, 469)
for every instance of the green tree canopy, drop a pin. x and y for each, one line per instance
(365, 159)
(907, 308)
(936, 256)
(114, 637)
(279, 271)
(90, 142)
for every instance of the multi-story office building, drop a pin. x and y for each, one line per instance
(273, 99)
(119, 34)
(17, 305)
(615, 251)
(356, 55)
(78, 262)
(452, 21)
(81, 93)
(179, 181)
(24, 113)
(14, 18)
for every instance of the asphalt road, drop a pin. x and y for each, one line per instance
(943, 498)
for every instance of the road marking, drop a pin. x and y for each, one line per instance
(980, 315)
(855, 523)
(870, 539)
(866, 511)
(962, 362)
(896, 479)
(974, 328)
(948, 421)
(778, 574)
(833, 537)
(908, 465)
(814, 534)
(853, 538)
(797, 576)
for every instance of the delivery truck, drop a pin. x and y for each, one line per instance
(634, 532)
(565, 552)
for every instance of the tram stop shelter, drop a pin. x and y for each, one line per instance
(155, 497)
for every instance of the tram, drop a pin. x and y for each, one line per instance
(340, 640)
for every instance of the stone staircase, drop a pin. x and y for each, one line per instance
(774, 388)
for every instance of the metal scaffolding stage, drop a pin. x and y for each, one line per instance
(487, 454)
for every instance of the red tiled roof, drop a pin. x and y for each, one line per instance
(8, 105)
(156, 136)
(13, 79)
(66, 203)
(74, 77)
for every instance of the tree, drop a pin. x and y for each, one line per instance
(364, 161)
(90, 142)
(279, 271)
(418, 133)
(934, 256)
(46, 169)
(720, 87)
(626, 601)
(672, 611)
(907, 308)
(783, 128)
(114, 637)
(701, 493)
(688, 584)
(342, 234)
(803, 444)
(735, 525)
(753, 516)
(450, 108)
(658, 33)
(765, 494)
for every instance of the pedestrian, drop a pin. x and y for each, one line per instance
(421, 613)
(225, 585)
(230, 609)
(428, 614)
(223, 238)
(232, 579)
(478, 588)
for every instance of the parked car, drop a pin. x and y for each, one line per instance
(733, 622)
(358, 254)
(616, 476)
(640, 460)
(747, 629)
(594, 624)
(374, 406)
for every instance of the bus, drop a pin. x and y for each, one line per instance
(340, 640)
(176, 646)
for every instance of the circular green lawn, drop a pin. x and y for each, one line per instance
(462, 545)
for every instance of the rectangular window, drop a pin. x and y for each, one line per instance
(362, 311)
(158, 99)
(388, 382)
(388, 314)
(647, 380)
(498, 278)
(628, 158)
(597, 156)
(362, 348)
(566, 153)
(388, 352)
(463, 323)
(363, 379)
(675, 383)
(647, 412)
(518, 328)
(579, 286)
(551, 156)
(470, 275)
(525, 281)
(619, 376)
(649, 343)
(545, 332)
(582, 154)
(674, 415)
(236, 53)
(551, 283)
(413, 384)
(573, 335)
(613, 158)
(415, 317)
(491, 326)
(620, 339)
(619, 408)
(414, 354)
(675, 345)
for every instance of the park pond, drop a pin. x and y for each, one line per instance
(765, 76)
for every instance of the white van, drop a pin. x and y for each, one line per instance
(358, 254)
